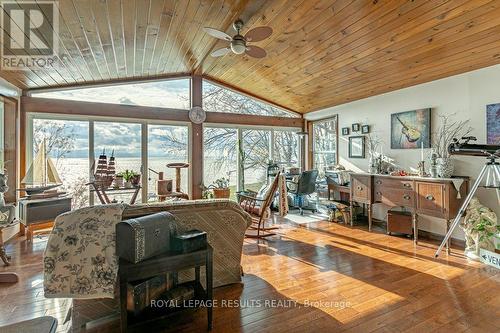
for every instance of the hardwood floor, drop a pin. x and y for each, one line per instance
(311, 277)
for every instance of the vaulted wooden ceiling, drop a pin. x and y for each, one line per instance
(322, 52)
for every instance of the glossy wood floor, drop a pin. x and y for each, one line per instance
(313, 277)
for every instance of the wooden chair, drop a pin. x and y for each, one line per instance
(257, 207)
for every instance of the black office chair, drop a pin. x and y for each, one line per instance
(305, 185)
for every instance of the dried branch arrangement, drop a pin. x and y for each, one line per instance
(449, 129)
(373, 143)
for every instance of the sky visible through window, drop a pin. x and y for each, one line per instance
(167, 94)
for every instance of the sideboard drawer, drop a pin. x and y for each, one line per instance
(395, 197)
(385, 182)
(361, 188)
(431, 198)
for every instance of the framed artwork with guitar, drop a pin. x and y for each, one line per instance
(410, 129)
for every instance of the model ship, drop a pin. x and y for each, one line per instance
(104, 172)
(41, 177)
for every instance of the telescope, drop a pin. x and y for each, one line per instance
(463, 147)
(490, 171)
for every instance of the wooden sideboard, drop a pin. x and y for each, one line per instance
(435, 197)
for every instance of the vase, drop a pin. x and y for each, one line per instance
(118, 181)
(128, 184)
(135, 180)
(445, 167)
(372, 165)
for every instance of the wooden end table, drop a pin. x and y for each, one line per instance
(102, 193)
(168, 263)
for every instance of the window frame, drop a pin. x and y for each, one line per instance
(313, 138)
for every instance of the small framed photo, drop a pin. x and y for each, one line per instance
(345, 130)
(365, 129)
(357, 146)
(355, 127)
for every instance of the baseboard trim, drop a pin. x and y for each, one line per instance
(433, 236)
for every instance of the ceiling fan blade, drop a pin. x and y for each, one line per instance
(256, 52)
(258, 34)
(220, 52)
(217, 34)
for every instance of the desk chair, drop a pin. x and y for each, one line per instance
(305, 185)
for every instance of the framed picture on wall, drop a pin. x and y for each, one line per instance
(355, 127)
(365, 129)
(357, 146)
(493, 124)
(345, 130)
(410, 129)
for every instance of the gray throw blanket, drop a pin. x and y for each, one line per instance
(80, 259)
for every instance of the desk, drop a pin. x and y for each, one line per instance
(435, 197)
(344, 190)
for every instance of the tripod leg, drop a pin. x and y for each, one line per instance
(462, 209)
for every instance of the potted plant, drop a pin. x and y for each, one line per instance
(136, 178)
(221, 188)
(127, 177)
(445, 134)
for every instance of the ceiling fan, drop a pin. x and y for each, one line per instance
(238, 43)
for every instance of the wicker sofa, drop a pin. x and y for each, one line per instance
(223, 220)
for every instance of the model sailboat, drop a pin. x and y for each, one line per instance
(41, 175)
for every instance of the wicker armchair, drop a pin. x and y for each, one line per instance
(258, 208)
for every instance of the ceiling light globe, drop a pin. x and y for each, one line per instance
(238, 46)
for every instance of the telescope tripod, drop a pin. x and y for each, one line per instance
(491, 171)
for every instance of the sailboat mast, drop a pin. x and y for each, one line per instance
(44, 162)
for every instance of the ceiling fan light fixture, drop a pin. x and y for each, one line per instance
(238, 46)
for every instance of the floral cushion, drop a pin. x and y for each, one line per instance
(80, 260)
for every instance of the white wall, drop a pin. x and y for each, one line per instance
(466, 94)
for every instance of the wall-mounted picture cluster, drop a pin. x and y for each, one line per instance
(356, 143)
(356, 127)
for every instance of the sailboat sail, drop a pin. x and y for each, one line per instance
(42, 170)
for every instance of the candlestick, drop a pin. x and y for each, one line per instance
(422, 151)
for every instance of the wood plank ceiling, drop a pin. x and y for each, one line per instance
(322, 52)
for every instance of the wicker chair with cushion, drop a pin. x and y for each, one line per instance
(259, 209)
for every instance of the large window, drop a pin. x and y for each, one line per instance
(70, 143)
(67, 144)
(256, 157)
(220, 155)
(286, 148)
(123, 141)
(219, 99)
(166, 144)
(324, 144)
(243, 154)
(167, 93)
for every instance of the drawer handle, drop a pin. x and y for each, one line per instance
(359, 188)
(407, 185)
(406, 197)
(379, 193)
(378, 182)
(429, 197)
